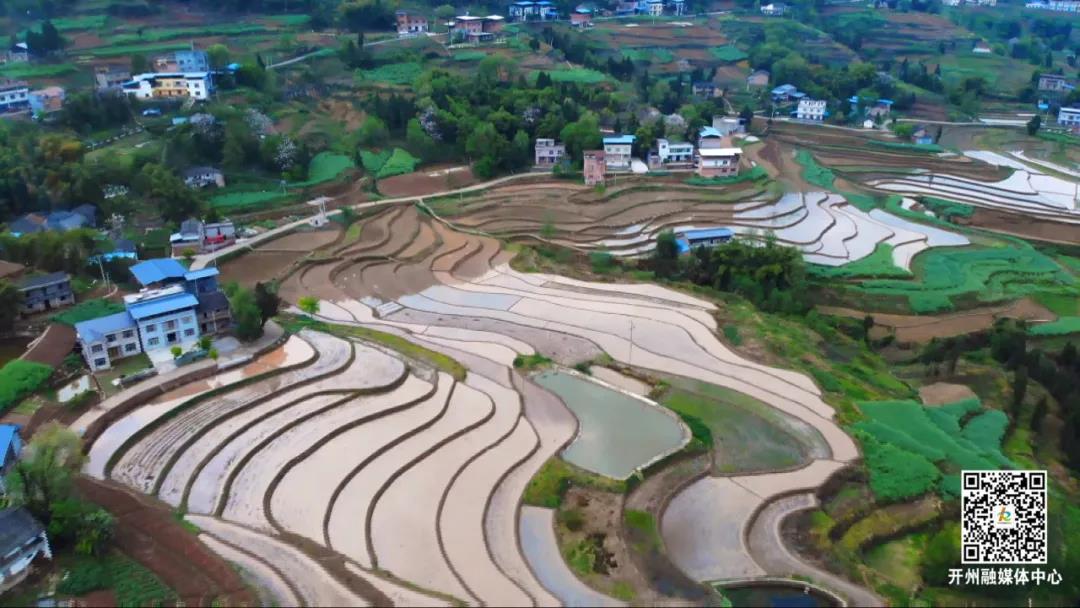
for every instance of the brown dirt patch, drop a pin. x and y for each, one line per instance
(104, 598)
(1025, 226)
(258, 266)
(343, 111)
(302, 241)
(53, 346)
(940, 393)
(147, 532)
(915, 329)
(430, 180)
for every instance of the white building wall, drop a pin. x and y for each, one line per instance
(155, 332)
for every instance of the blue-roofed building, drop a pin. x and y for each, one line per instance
(164, 317)
(10, 447)
(106, 339)
(708, 237)
(618, 151)
(158, 272)
(784, 92)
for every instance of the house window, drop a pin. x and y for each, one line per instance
(96, 348)
(188, 320)
(170, 325)
(129, 333)
(153, 341)
(111, 338)
(151, 327)
(189, 332)
(102, 362)
(130, 347)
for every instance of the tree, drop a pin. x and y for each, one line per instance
(219, 56)
(867, 325)
(667, 253)
(9, 305)
(1034, 124)
(1039, 415)
(308, 304)
(246, 314)
(942, 553)
(581, 135)
(89, 528)
(1019, 390)
(44, 473)
(139, 64)
(373, 132)
(266, 298)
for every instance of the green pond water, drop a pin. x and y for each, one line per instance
(618, 433)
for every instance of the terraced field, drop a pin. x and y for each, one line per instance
(359, 475)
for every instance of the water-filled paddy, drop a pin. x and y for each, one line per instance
(618, 433)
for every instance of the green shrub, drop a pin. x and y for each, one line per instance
(89, 309)
(533, 361)
(572, 519)
(1061, 327)
(133, 584)
(19, 378)
(897, 474)
(85, 576)
(698, 429)
(731, 332)
(814, 173)
(373, 161)
(601, 261)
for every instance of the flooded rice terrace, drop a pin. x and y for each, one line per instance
(618, 433)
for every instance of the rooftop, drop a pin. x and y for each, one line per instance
(94, 330)
(195, 275)
(708, 233)
(162, 304)
(719, 151)
(619, 139)
(43, 280)
(157, 270)
(17, 526)
(8, 434)
(709, 132)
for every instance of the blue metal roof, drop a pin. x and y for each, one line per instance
(195, 275)
(157, 270)
(9, 433)
(620, 139)
(163, 305)
(96, 329)
(709, 132)
(708, 233)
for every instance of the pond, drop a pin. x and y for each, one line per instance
(777, 594)
(618, 433)
(12, 348)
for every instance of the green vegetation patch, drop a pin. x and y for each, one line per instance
(814, 173)
(577, 75)
(440, 361)
(137, 49)
(133, 584)
(19, 378)
(654, 55)
(756, 173)
(289, 20)
(898, 145)
(900, 438)
(399, 162)
(1063, 326)
(89, 309)
(31, 70)
(171, 33)
(549, 485)
(947, 210)
(391, 73)
(464, 56)
(727, 53)
(878, 264)
(229, 200)
(325, 167)
(530, 362)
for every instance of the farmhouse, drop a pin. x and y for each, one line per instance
(47, 100)
(410, 24)
(705, 89)
(671, 153)
(17, 53)
(618, 150)
(1069, 118)
(45, 292)
(524, 10)
(757, 79)
(786, 92)
(711, 137)
(655, 8)
(110, 77)
(477, 29)
(201, 177)
(202, 237)
(921, 136)
(718, 162)
(811, 109)
(82, 216)
(581, 17)
(14, 96)
(106, 339)
(183, 62)
(170, 85)
(774, 9)
(678, 7)
(595, 167)
(548, 152)
(692, 239)
(727, 125)
(981, 48)
(22, 540)
(1062, 6)
(1055, 83)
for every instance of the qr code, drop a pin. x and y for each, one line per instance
(1003, 517)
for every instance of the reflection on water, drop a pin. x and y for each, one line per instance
(618, 433)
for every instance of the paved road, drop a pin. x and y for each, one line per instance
(767, 547)
(208, 259)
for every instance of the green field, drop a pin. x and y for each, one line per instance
(1061, 327)
(727, 53)
(324, 167)
(134, 49)
(21, 71)
(900, 438)
(578, 75)
(1002, 73)
(878, 264)
(392, 73)
(654, 55)
(171, 33)
(230, 200)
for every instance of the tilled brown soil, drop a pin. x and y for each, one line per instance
(147, 532)
(1025, 226)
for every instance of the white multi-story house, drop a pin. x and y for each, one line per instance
(718, 162)
(14, 95)
(165, 317)
(105, 339)
(618, 150)
(1069, 118)
(548, 152)
(22, 540)
(811, 109)
(159, 85)
(728, 125)
(1061, 6)
(673, 152)
(656, 8)
(774, 9)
